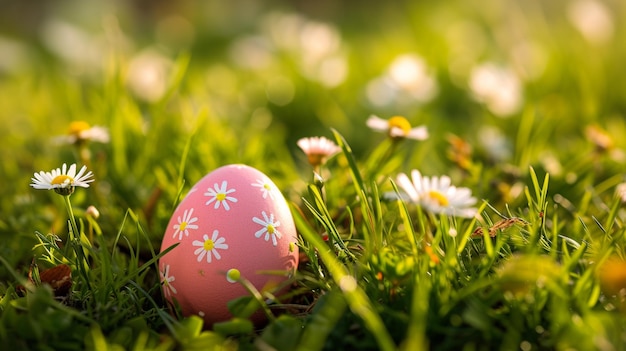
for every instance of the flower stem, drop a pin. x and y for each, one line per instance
(75, 242)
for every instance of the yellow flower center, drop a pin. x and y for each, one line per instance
(220, 197)
(267, 186)
(401, 123)
(441, 199)
(183, 225)
(62, 179)
(78, 126)
(208, 245)
(271, 229)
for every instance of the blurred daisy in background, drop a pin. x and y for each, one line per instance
(80, 49)
(407, 80)
(397, 127)
(593, 19)
(149, 74)
(316, 47)
(80, 132)
(499, 88)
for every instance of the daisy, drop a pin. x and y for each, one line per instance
(167, 279)
(219, 195)
(318, 149)
(437, 195)
(184, 224)
(265, 187)
(397, 127)
(80, 131)
(269, 228)
(209, 247)
(62, 180)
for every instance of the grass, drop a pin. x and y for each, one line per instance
(539, 268)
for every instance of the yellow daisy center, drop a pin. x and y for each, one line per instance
(440, 198)
(220, 197)
(271, 229)
(401, 123)
(267, 186)
(208, 245)
(62, 179)
(183, 225)
(78, 126)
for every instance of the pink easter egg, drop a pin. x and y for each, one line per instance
(234, 221)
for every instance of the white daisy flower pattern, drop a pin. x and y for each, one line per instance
(265, 187)
(220, 196)
(185, 223)
(167, 279)
(270, 228)
(437, 195)
(62, 180)
(208, 247)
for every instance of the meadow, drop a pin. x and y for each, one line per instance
(472, 197)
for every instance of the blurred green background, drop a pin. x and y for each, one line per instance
(308, 65)
(520, 83)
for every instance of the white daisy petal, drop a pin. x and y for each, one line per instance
(397, 132)
(81, 172)
(72, 171)
(416, 176)
(444, 182)
(405, 183)
(418, 133)
(376, 123)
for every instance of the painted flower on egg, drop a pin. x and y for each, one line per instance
(265, 188)
(167, 279)
(209, 246)
(270, 228)
(184, 224)
(219, 195)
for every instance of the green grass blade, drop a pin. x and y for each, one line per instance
(357, 300)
